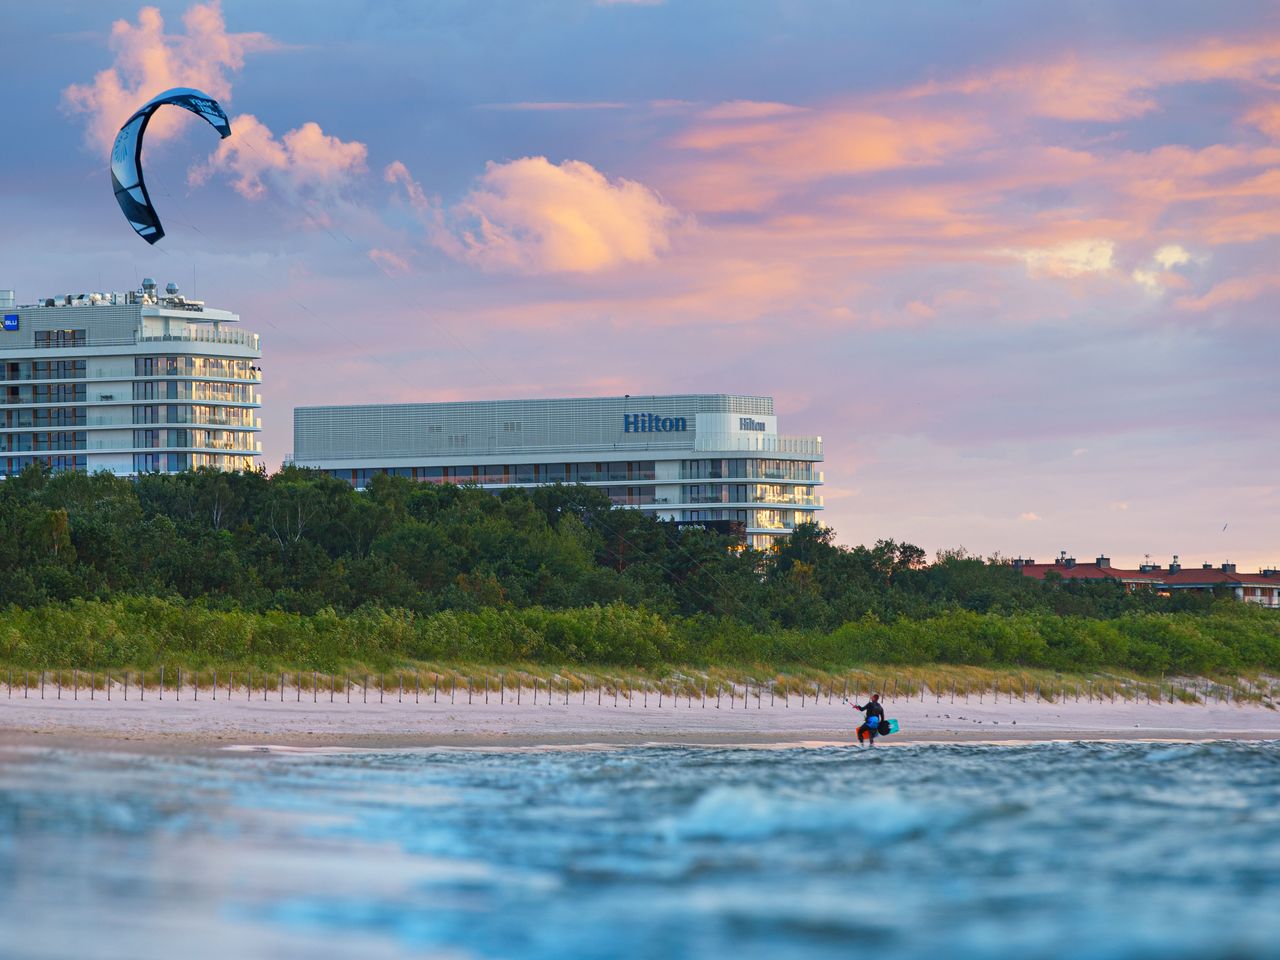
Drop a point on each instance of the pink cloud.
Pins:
(749, 110)
(1235, 290)
(1266, 117)
(305, 158)
(553, 106)
(1114, 88)
(149, 61)
(390, 263)
(835, 141)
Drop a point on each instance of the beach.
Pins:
(320, 718)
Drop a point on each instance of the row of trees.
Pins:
(301, 542)
(146, 632)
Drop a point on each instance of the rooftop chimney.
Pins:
(1206, 566)
(1228, 568)
(1103, 561)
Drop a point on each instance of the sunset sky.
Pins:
(1015, 262)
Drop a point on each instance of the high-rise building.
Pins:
(137, 382)
(702, 459)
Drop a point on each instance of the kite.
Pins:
(126, 155)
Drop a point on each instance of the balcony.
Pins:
(799, 446)
(235, 338)
(239, 338)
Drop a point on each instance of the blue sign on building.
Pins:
(653, 423)
(11, 321)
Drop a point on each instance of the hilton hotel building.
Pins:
(133, 382)
(698, 458)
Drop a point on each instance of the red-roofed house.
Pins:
(1261, 588)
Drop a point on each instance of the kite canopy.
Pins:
(126, 155)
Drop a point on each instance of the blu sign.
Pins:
(11, 321)
(652, 423)
(749, 423)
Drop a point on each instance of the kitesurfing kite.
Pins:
(126, 155)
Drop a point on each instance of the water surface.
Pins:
(1053, 850)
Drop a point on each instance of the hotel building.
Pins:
(700, 458)
(137, 382)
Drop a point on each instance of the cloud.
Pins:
(1111, 88)
(1156, 282)
(1266, 118)
(303, 159)
(149, 61)
(1029, 517)
(533, 216)
(1072, 259)
(790, 144)
(1171, 255)
(1235, 290)
(749, 109)
(390, 263)
(555, 105)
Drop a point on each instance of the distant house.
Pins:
(1262, 588)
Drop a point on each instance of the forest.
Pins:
(299, 568)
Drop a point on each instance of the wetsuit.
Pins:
(875, 713)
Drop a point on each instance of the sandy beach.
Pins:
(311, 719)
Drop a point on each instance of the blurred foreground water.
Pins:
(1053, 850)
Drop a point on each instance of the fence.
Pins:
(518, 687)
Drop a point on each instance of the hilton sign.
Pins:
(652, 423)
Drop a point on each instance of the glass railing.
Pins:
(803, 476)
(237, 338)
(806, 446)
(241, 338)
(121, 447)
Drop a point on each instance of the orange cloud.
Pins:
(149, 61)
(303, 158)
(533, 216)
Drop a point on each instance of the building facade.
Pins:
(137, 382)
(706, 458)
(1262, 588)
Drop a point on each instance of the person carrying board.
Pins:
(871, 725)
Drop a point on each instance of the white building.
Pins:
(135, 382)
(692, 458)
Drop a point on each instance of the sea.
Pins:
(1055, 850)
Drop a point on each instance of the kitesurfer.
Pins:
(875, 713)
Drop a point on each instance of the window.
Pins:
(60, 338)
(146, 463)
